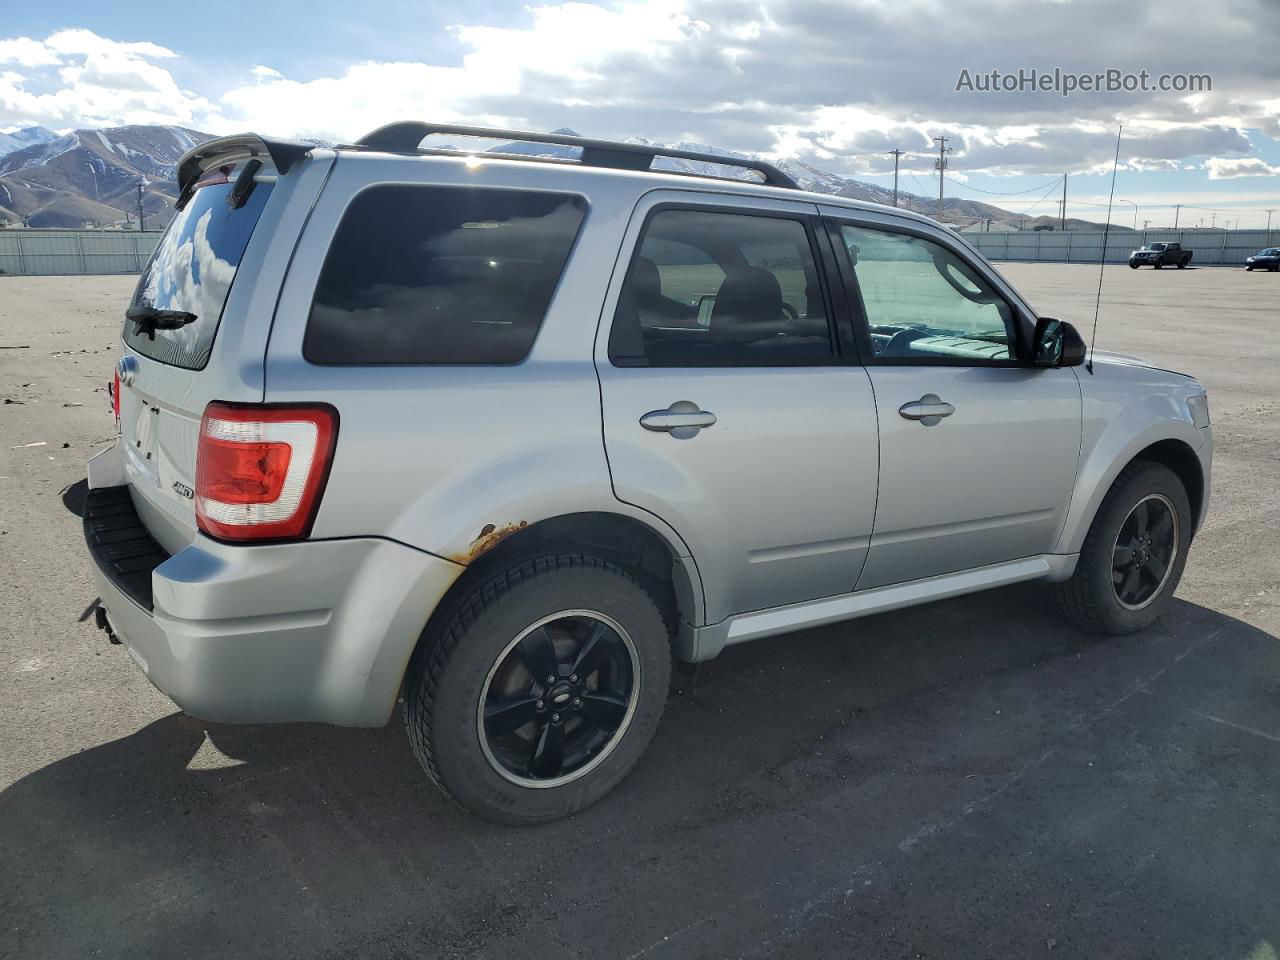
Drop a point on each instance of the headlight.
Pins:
(1198, 407)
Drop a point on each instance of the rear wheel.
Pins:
(540, 690)
(1134, 553)
(1182, 264)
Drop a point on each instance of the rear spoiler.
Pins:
(282, 153)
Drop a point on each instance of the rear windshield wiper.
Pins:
(148, 320)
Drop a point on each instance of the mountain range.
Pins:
(92, 177)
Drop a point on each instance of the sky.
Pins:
(835, 83)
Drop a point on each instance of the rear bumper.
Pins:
(316, 630)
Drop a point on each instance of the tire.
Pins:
(1133, 266)
(1275, 268)
(1182, 264)
(461, 660)
(1090, 597)
(1158, 265)
(1248, 269)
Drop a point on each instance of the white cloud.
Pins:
(78, 78)
(835, 84)
(1233, 168)
(88, 42)
(26, 52)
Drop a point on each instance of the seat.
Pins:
(748, 304)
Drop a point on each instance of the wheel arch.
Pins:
(662, 567)
(1098, 473)
(1178, 456)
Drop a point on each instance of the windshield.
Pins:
(1270, 252)
(1154, 246)
(192, 270)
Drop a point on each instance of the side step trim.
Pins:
(703, 643)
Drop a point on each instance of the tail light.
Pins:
(261, 469)
(115, 398)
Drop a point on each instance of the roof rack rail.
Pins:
(405, 136)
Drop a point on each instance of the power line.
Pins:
(1001, 193)
(1052, 188)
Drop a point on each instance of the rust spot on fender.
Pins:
(488, 538)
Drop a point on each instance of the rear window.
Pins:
(192, 270)
(420, 274)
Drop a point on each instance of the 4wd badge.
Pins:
(183, 490)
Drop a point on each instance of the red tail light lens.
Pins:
(261, 469)
(115, 398)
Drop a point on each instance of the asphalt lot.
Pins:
(968, 779)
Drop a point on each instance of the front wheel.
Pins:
(1157, 264)
(1132, 265)
(540, 690)
(1134, 553)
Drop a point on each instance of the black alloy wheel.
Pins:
(1144, 552)
(558, 698)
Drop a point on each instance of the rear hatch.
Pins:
(176, 370)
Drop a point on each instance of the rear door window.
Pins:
(424, 275)
(712, 289)
(192, 270)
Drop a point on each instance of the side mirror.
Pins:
(1056, 344)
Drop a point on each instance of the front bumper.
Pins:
(315, 630)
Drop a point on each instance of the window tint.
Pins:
(921, 301)
(720, 289)
(440, 275)
(192, 268)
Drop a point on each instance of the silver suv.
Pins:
(497, 434)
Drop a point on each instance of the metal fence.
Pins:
(1211, 247)
(62, 252)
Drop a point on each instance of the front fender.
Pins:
(1121, 418)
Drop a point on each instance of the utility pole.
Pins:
(1177, 209)
(1062, 220)
(1270, 211)
(1146, 224)
(941, 164)
(896, 154)
(1213, 221)
(142, 223)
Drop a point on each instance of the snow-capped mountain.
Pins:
(18, 139)
(92, 176)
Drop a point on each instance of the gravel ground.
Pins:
(968, 779)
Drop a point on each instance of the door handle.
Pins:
(683, 419)
(929, 409)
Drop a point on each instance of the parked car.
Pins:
(1160, 255)
(1267, 258)
(498, 435)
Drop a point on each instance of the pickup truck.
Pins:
(1160, 255)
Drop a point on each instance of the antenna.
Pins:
(1102, 266)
